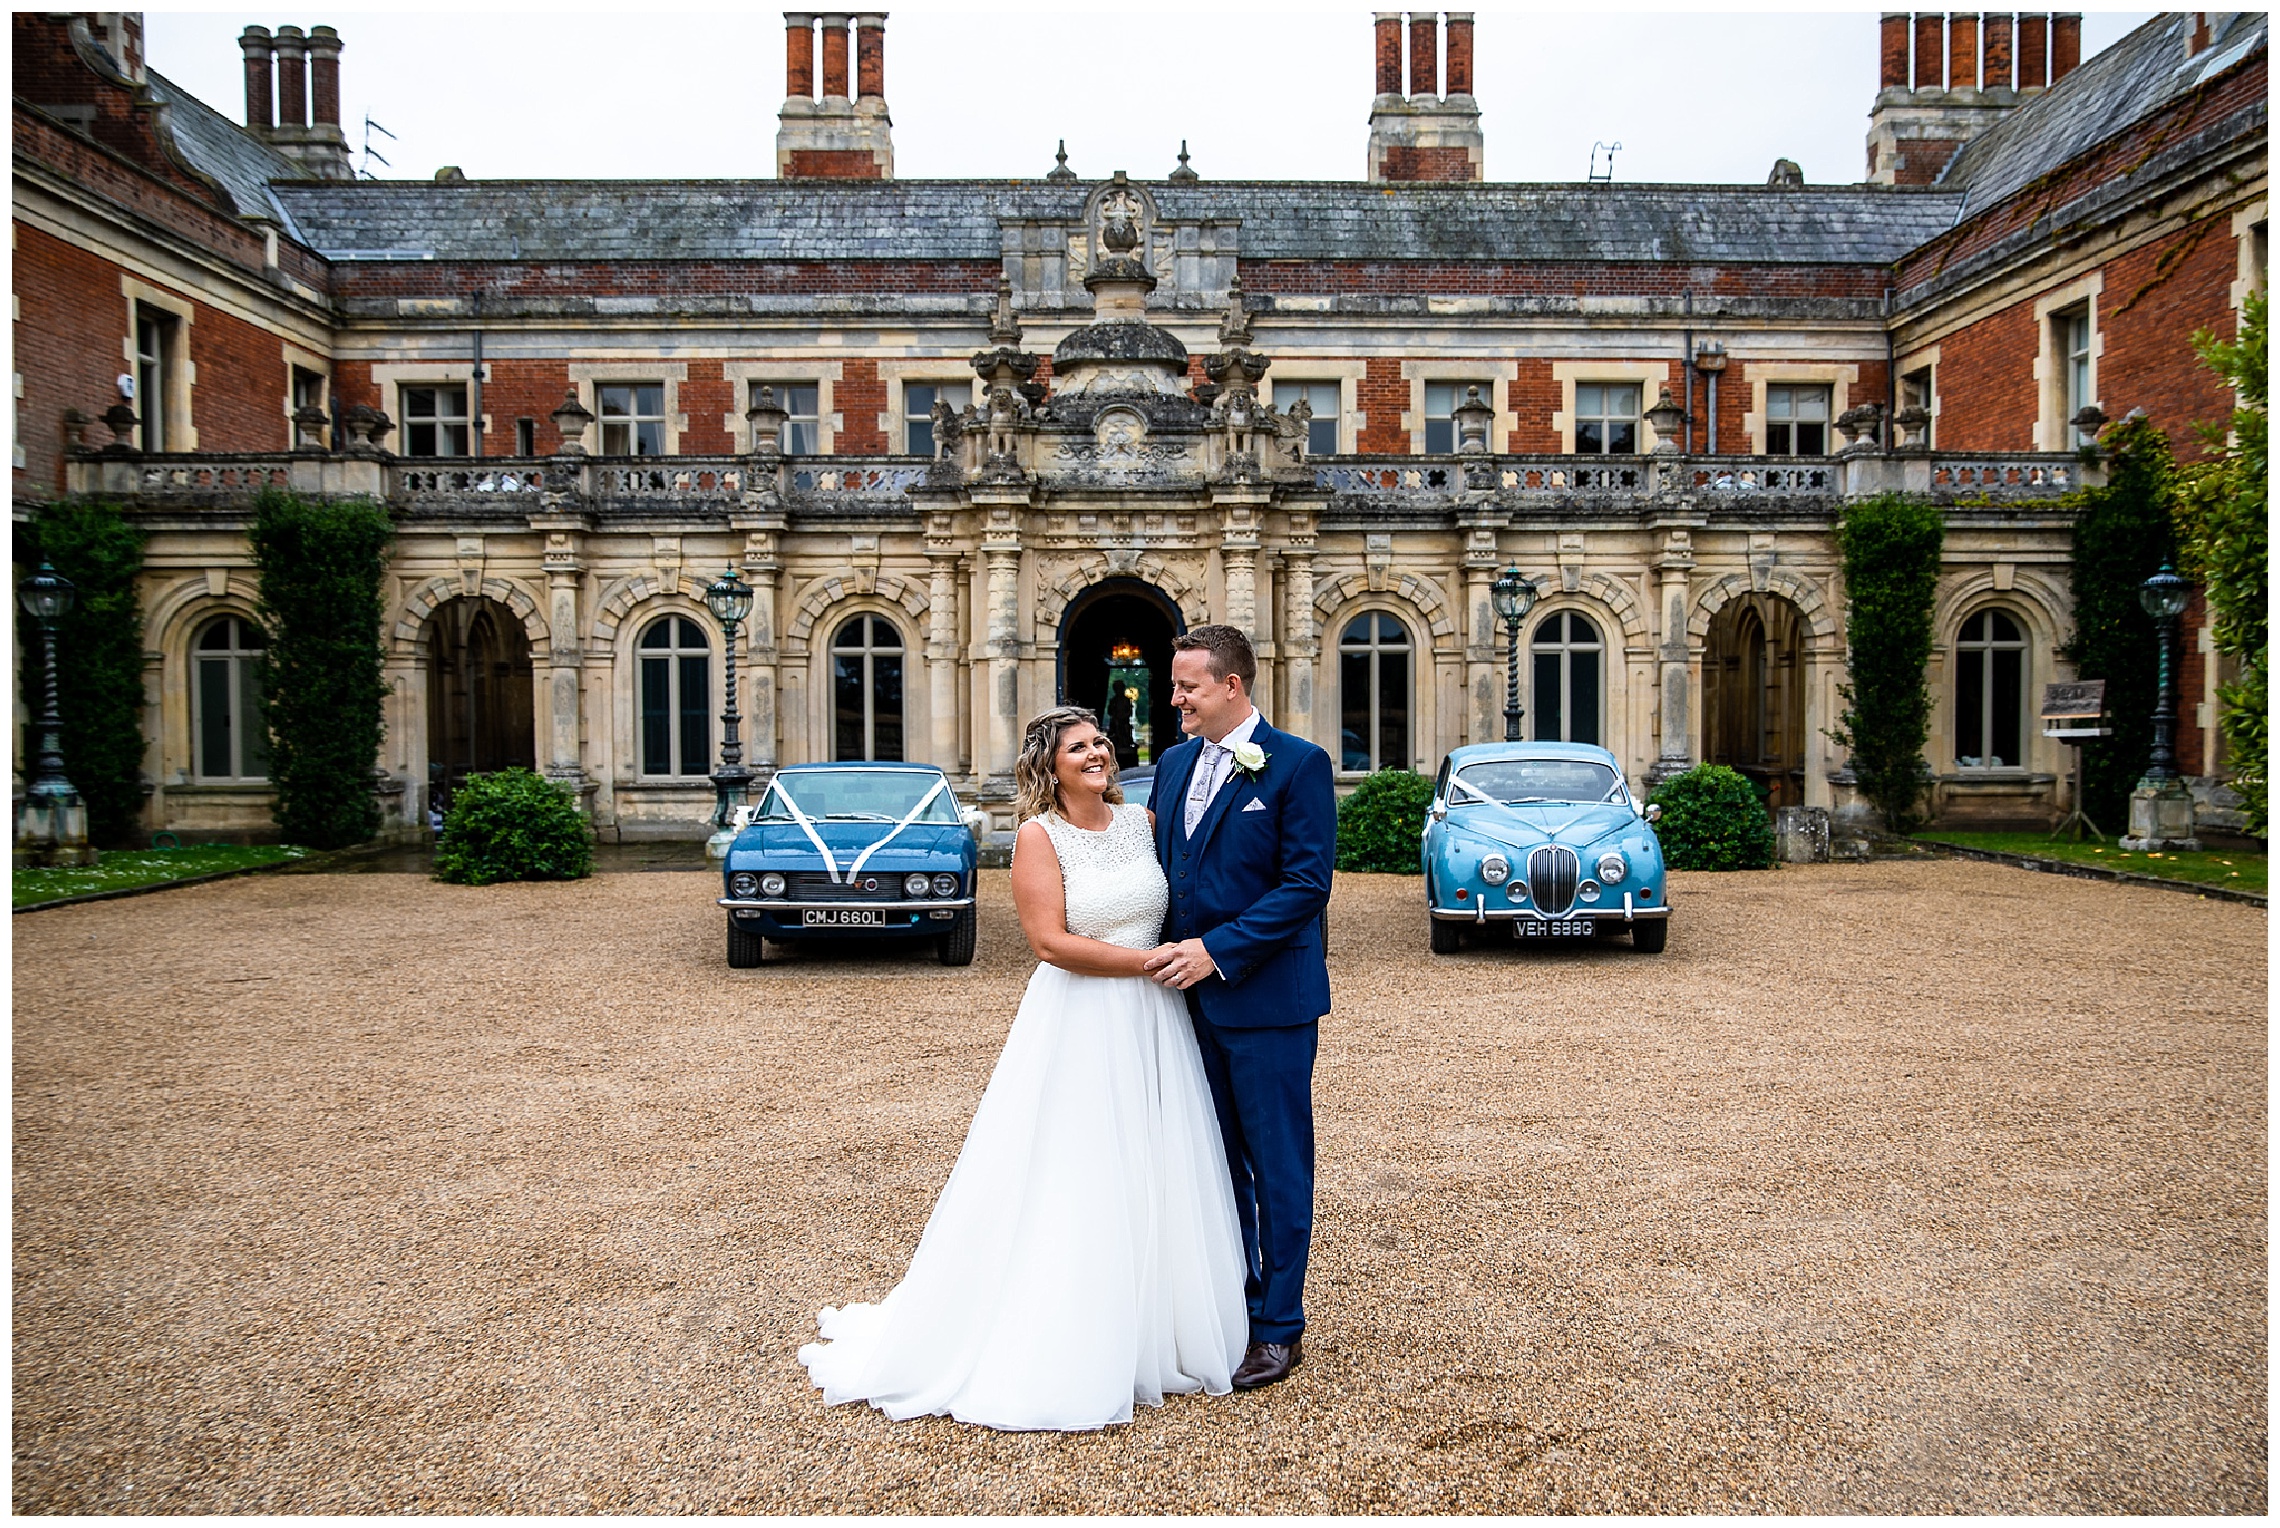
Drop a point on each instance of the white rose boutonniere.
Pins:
(1250, 759)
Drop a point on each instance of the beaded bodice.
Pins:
(1111, 885)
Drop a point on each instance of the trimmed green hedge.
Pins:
(2224, 540)
(1891, 548)
(1713, 819)
(321, 565)
(98, 662)
(513, 825)
(2121, 538)
(1381, 825)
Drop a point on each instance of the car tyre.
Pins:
(1448, 937)
(1649, 935)
(956, 948)
(746, 949)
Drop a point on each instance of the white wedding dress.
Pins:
(1084, 1254)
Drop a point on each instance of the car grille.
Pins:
(1552, 873)
(816, 886)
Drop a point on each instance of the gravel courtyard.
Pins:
(1890, 1187)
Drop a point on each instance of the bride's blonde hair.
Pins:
(1036, 790)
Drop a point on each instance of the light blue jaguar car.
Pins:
(1543, 840)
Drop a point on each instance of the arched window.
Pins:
(225, 689)
(867, 690)
(1373, 693)
(1566, 651)
(1990, 692)
(676, 693)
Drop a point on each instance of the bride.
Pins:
(1084, 1253)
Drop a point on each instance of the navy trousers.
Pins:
(1262, 1086)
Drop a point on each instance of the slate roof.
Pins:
(2112, 89)
(214, 144)
(958, 220)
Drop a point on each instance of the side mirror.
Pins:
(1439, 810)
(1653, 813)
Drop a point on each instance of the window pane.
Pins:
(1546, 697)
(217, 636)
(1357, 631)
(886, 707)
(1583, 695)
(1970, 699)
(1588, 439)
(1440, 437)
(1623, 400)
(1778, 403)
(1622, 438)
(649, 402)
(847, 707)
(451, 439)
(252, 720)
(656, 709)
(2003, 746)
(883, 634)
(1390, 632)
(616, 402)
(918, 414)
(658, 635)
(214, 718)
(1393, 710)
(1440, 399)
(696, 728)
(1812, 403)
(1354, 711)
(649, 438)
(1322, 436)
(1777, 439)
(1812, 438)
(2004, 628)
(1588, 400)
(419, 440)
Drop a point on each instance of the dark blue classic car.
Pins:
(867, 851)
(1543, 839)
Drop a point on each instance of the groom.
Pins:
(1246, 826)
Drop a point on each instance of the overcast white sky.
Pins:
(1260, 93)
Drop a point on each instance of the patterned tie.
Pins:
(1205, 784)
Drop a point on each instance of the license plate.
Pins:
(842, 917)
(1554, 928)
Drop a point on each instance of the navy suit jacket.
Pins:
(1252, 883)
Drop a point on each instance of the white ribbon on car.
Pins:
(831, 865)
(941, 784)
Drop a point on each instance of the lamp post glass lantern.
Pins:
(1513, 596)
(2164, 597)
(53, 818)
(730, 600)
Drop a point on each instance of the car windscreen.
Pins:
(1517, 780)
(856, 795)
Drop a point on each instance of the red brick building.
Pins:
(1329, 412)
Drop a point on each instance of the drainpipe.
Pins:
(475, 384)
(1891, 377)
(1686, 360)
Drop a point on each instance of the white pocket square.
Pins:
(1254, 805)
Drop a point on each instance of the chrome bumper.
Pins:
(1482, 913)
(782, 905)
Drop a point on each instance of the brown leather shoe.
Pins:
(1266, 1362)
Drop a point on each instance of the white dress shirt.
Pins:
(1212, 770)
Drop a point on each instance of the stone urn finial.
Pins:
(1666, 418)
(571, 420)
(122, 421)
(1473, 417)
(766, 416)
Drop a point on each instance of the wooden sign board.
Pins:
(2084, 699)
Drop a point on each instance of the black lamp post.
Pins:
(1514, 596)
(730, 600)
(46, 597)
(2163, 596)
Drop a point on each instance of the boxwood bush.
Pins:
(513, 825)
(1712, 819)
(1382, 822)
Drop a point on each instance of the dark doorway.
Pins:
(1116, 659)
(1753, 695)
(479, 695)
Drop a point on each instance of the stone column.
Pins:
(1299, 644)
(1674, 692)
(763, 570)
(1004, 651)
(1484, 637)
(564, 571)
(942, 647)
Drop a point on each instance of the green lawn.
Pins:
(2240, 871)
(121, 868)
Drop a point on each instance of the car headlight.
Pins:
(743, 884)
(945, 885)
(1495, 870)
(1612, 866)
(916, 885)
(1587, 892)
(771, 885)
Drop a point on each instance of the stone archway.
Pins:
(480, 702)
(1114, 656)
(1753, 694)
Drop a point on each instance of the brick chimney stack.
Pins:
(846, 133)
(1424, 135)
(1946, 78)
(300, 73)
(260, 89)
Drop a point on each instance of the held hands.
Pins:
(1180, 966)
